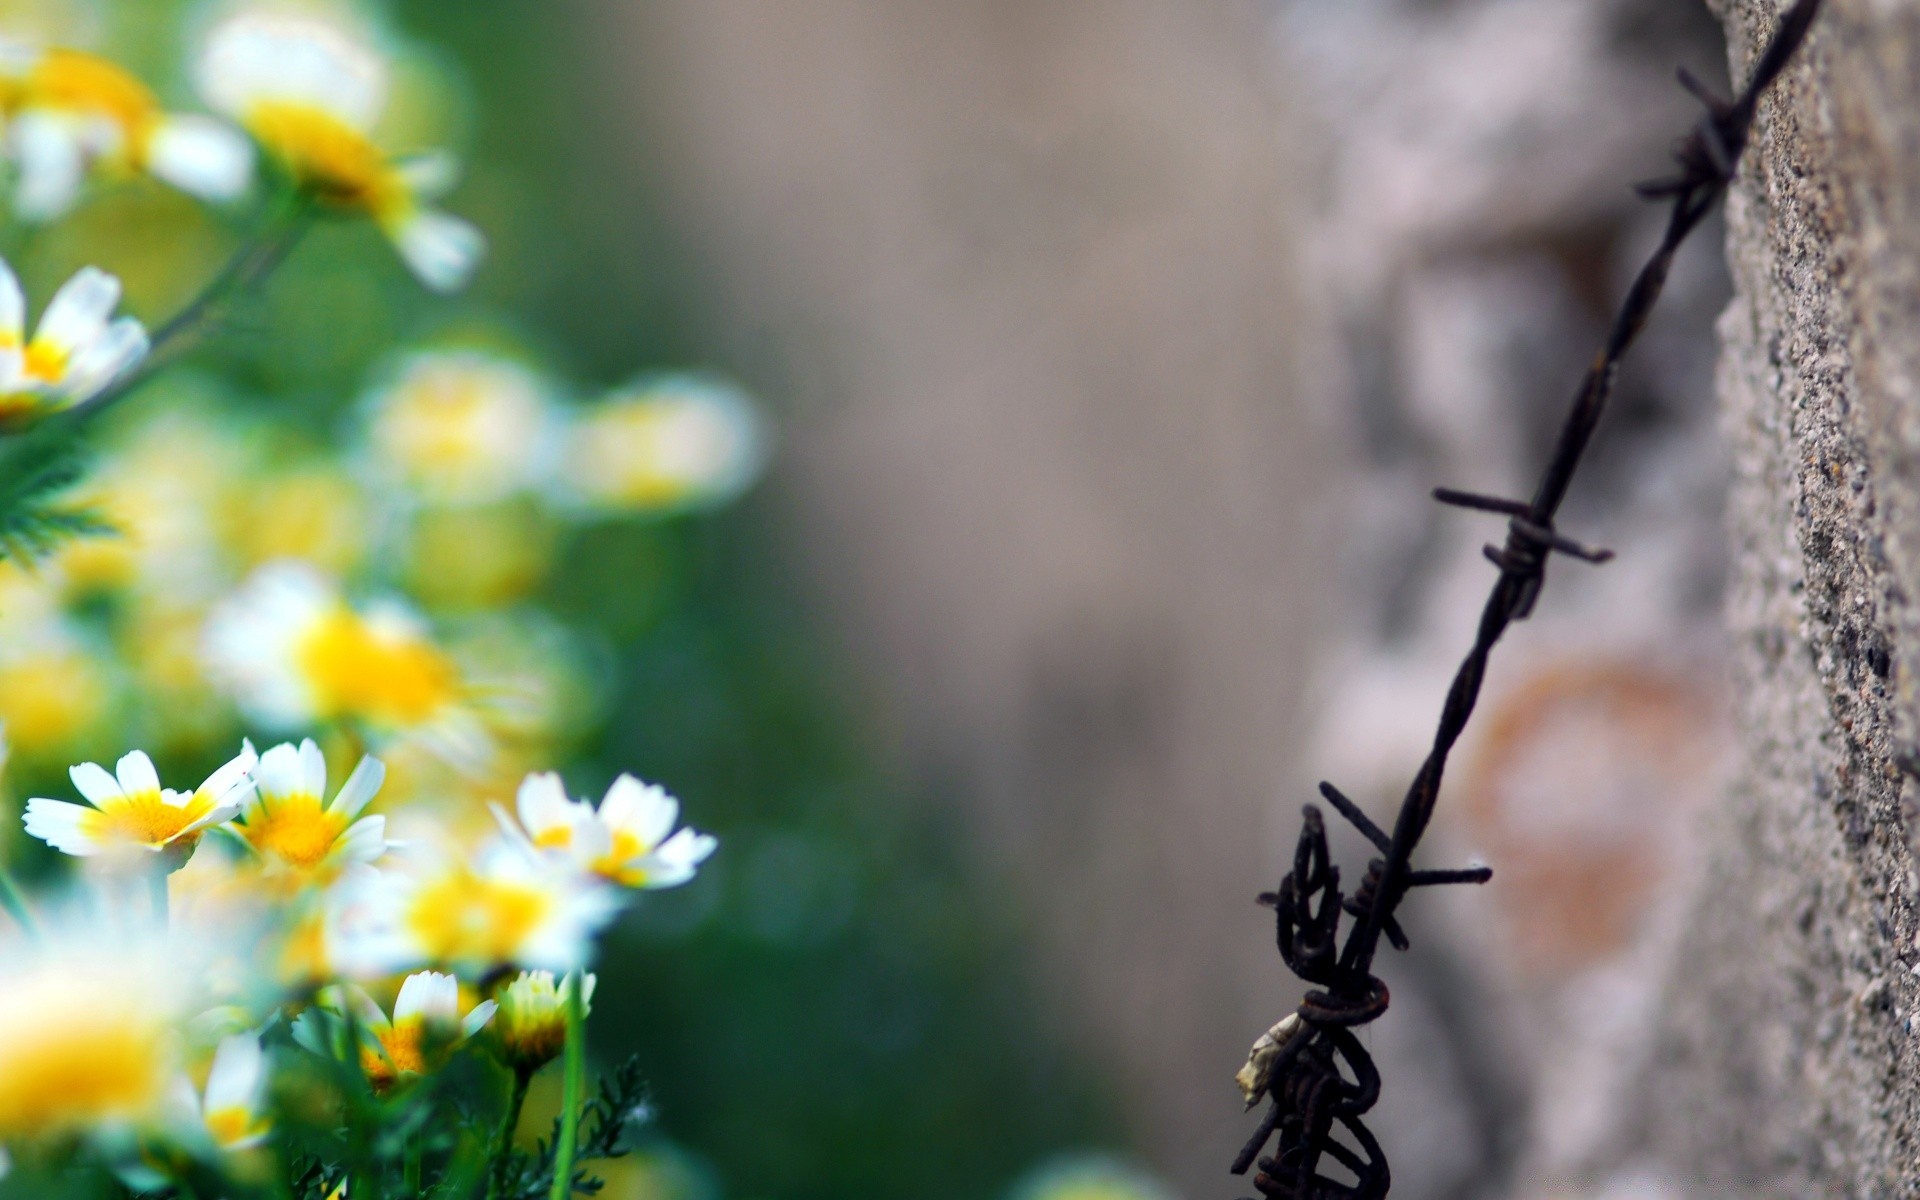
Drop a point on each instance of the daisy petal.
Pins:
(477, 1019)
(68, 828)
(51, 165)
(360, 787)
(136, 773)
(77, 315)
(542, 803)
(13, 307)
(201, 156)
(440, 249)
(313, 769)
(239, 1068)
(95, 783)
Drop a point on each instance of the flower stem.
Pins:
(16, 905)
(250, 265)
(158, 883)
(503, 1136)
(413, 1162)
(570, 1099)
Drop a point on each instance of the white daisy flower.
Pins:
(624, 841)
(69, 113)
(683, 441)
(310, 92)
(129, 810)
(461, 426)
(230, 1108)
(498, 908)
(427, 1024)
(293, 653)
(292, 829)
(76, 351)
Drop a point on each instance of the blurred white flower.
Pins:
(75, 352)
(89, 1019)
(310, 91)
(461, 426)
(624, 841)
(476, 914)
(68, 113)
(683, 441)
(293, 653)
(229, 1108)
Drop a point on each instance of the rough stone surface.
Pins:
(1785, 1056)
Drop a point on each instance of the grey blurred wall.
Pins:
(1022, 274)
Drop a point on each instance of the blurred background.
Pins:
(1102, 355)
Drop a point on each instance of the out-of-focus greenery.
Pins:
(834, 1008)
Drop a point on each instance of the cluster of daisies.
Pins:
(388, 581)
(380, 589)
(297, 99)
(307, 93)
(255, 917)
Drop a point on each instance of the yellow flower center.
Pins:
(67, 1062)
(233, 1124)
(554, 837)
(146, 819)
(439, 425)
(613, 864)
(50, 698)
(362, 672)
(460, 917)
(620, 456)
(45, 361)
(296, 829)
(405, 1053)
(93, 86)
(329, 157)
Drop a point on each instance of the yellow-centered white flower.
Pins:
(531, 1029)
(310, 91)
(76, 351)
(294, 653)
(426, 1026)
(128, 811)
(88, 1032)
(475, 914)
(291, 826)
(461, 426)
(68, 113)
(625, 841)
(230, 1107)
(679, 442)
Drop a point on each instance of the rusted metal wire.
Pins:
(1318, 1079)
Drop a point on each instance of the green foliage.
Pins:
(606, 1120)
(38, 470)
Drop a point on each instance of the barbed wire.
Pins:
(1319, 1080)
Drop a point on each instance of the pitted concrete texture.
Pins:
(1785, 1060)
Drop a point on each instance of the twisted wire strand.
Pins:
(1319, 1079)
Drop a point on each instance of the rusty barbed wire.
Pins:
(1319, 1080)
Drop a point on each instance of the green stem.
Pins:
(570, 1098)
(250, 265)
(158, 883)
(503, 1136)
(413, 1163)
(16, 905)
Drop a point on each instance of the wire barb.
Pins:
(1322, 1082)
